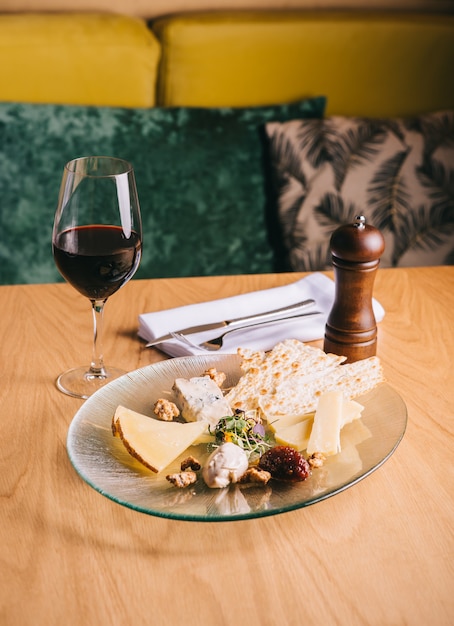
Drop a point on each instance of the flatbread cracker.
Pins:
(291, 377)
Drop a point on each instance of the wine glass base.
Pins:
(79, 382)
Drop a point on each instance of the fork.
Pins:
(216, 344)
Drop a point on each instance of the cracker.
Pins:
(291, 377)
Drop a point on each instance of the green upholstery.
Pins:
(200, 177)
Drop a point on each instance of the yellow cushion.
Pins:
(88, 59)
(387, 65)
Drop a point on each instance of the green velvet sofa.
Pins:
(187, 99)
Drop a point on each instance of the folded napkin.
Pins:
(316, 286)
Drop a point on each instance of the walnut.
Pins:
(255, 475)
(218, 377)
(316, 460)
(182, 479)
(190, 462)
(166, 410)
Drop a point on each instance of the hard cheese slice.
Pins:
(295, 430)
(325, 435)
(285, 421)
(351, 410)
(296, 435)
(152, 442)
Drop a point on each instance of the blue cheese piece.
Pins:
(201, 400)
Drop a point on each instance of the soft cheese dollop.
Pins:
(225, 465)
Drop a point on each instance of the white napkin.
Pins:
(264, 337)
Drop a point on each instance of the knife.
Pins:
(275, 314)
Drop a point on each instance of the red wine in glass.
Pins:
(97, 260)
(97, 245)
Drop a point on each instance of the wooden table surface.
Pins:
(381, 552)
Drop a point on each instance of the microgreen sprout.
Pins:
(243, 429)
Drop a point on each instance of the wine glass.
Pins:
(97, 245)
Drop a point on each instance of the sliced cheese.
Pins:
(152, 442)
(284, 421)
(295, 430)
(351, 410)
(325, 434)
(296, 435)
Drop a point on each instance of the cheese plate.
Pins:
(103, 462)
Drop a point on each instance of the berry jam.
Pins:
(285, 463)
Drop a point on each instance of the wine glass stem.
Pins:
(97, 362)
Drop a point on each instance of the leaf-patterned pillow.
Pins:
(398, 173)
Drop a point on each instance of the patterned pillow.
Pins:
(398, 173)
(200, 178)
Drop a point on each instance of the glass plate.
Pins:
(102, 461)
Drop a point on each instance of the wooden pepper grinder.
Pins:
(351, 329)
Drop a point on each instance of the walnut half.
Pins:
(182, 479)
(255, 475)
(316, 460)
(165, 410)
(218, 377)
(190, 462)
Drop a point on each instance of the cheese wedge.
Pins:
(152, 442)
(284, 421)
(295, 430)
(200, 399)
(325, 434)
(351, 410)
(296, 435)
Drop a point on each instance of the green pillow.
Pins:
(200, 176)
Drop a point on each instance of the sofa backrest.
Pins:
(381, 65)
(366, 63)
(81, 58)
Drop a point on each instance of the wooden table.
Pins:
(380, 553)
